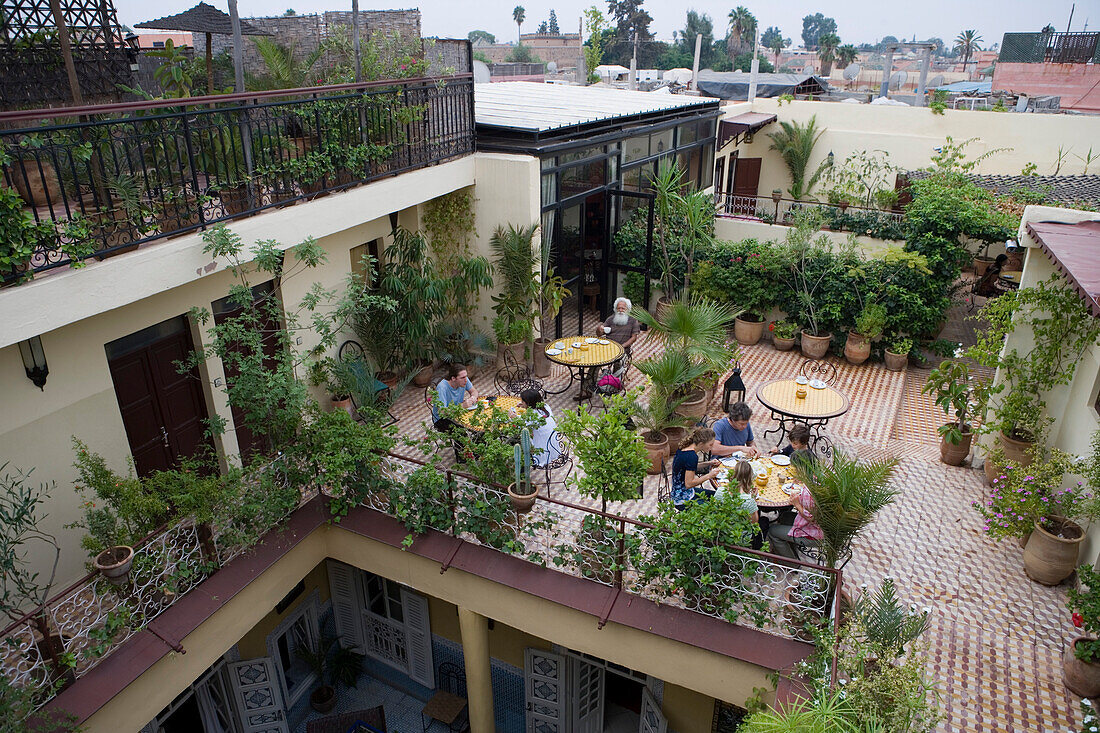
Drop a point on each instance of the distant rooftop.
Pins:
(535, 108)
(1058, 189)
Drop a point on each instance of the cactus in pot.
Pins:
(523, 491)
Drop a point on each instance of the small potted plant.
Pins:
(523, 491)
(897, 353)
(325, 372)
(1081, 661)
(783, 334)
(343, 668)
(869, 326)
(953, 389)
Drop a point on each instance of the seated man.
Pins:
(734, 433)
(621, 327)
(455, 389)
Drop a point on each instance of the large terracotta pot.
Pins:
(522, 503)
(815, 347)
(895, 362)
(1080, 678)
(1051, 554)
(342, 403)
(695, 405)
(857, 349)
(664, 304)
(782, 344)
(114, 564)
(423, 376)
(1016, 451)
(674, 435)
(323, 699)
(954, 455)
(518, 352)
(981, 264)
(41, 181)
(748, 332)
(656, 445)
(542, 363)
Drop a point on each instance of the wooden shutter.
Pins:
(418, 638)
(345, 586)
(586, 698)
(545, 688)
(258, 696)
(651, 720)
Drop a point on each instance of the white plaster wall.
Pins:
(734, 230)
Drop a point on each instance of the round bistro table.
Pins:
(595, 356)
(815, 410)
(468, 417)
(771, 496)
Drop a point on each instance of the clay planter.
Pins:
(542, 363)
(114, 564)
(656, 446)
(390, 379)
(664, 304)
(748, 332)
(815, 347)
(41, 181)
(522, 503)
(695, 405)
(423, 376)
(1080, 678)
(782, 344)
(178, 214)
(674, 435)
(954, 455)
(234, 200)
(312, 188)
(323, 699)
(1051, 554)
(895, 362)
(1016, 451)
(342, 403)
(1015, 260)
(857, 349)
(981, 264)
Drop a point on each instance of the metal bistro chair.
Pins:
(822, 369)
(664, 484)
(513, 378)
(448, 704)
(564, 460)
(619, 369)
(351, 352)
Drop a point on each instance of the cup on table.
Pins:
(607, 329)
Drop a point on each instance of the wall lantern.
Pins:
(34, 361)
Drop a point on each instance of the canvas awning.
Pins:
(1075, 251)
(742, 124)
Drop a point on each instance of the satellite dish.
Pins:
(481, 72)
(898, 78)
(851, 71)
(808, 69)
(552, 67)
(937, 81)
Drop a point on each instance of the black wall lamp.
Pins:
(34, 361)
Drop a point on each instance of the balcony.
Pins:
(100, 181)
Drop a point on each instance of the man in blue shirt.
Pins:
(734, 433)
(455, 389)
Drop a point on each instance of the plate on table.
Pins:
(791, 489)
(603, 342)
(801, 380)
(591, 341)
(732, 459)
(553, 352)
(559, 345)
(781, 460)
(576, 344)
(817, 384)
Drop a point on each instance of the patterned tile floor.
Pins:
(996, 638)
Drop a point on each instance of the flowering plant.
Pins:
(1085, 605)
(783, 329)
(1022, 497)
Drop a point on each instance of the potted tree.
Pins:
(897, 353)
(783, 334)
(653, 419)
(870, 324)
(953, 389)
(339, 667)
(805, 265)
(552, 293)
(1081, 661)
(514, 264)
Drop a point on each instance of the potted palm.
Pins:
(339, 667)
(515, 267)
(552, 293)
(869, 326)
(897, 353)
(654, 419)
(953, 389)
(805, 265)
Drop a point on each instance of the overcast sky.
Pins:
(858, 21)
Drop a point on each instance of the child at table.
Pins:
(798, 439)
(746, 487)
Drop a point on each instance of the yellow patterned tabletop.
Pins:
(818, 404)
(504, 402)
(588, 354)
(772, 495)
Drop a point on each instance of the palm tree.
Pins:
(284, 71)
(795, 144)
(742, 23)
(518, 16)
(967, 43)
(826, 52)
(696, 329)
(777, 46)
(845, 55)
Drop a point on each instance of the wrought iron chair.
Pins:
(664, 484)
(448, 704)
(619, 369)
(822, 369)
(513, 378)
(351, 352)
(563, 460)
(816, 554)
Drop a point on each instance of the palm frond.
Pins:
(698, 328)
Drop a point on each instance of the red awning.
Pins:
(743, 123)
(1075, 251)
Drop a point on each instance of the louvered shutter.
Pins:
(418, 638)
(345, 586)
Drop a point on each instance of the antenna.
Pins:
(851, 71)
(897, 79)
(552, 67)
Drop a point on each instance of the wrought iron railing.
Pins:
(784, 211)
(105, 179)
(1057, 48)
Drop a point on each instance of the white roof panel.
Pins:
(540, 107)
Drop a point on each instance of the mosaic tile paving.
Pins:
(996, 638)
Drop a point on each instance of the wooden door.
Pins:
(258, 695)
(163, 410)
(543, 672)
(746, 182)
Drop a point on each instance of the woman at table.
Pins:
(987, 286)
(787, 539)
(544, 447)
(745, 478)
(686, 477)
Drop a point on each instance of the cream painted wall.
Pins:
(734, 230)
(910, 135)
(687, 710)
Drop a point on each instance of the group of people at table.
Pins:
(787, 529)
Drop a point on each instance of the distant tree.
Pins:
(967, 43)
(845, 55)
(886, 41)
(742, 30)
(827, 44)
(814, 26)
(554, 29)
(776, 45)
(521, 54)
(543, 28)
(518, 16)
(474, 36)
(937, 43)
(743, 62)
(630, 17)
(697, 24)
(674, 56)
(480, 56)
(290, 13)
(595, 25)
(769, 35)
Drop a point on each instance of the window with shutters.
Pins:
(384, 619)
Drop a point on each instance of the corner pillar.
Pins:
(474, 629)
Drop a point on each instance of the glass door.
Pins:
(630, 248)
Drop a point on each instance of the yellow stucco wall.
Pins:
(254, 643)
(687, 710)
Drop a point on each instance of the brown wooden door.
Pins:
(746, 181)
(163, 411)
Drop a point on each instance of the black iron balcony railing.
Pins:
(1055, 48)
(102, 180)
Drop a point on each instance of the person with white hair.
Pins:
(620, 326)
